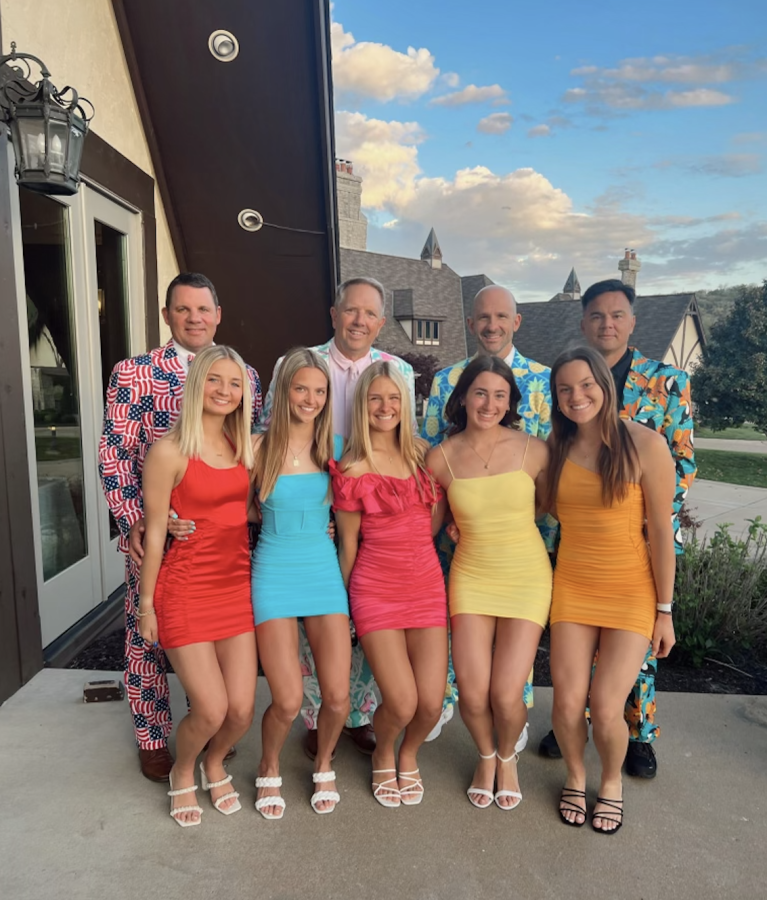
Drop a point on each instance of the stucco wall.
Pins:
(684, 351)
(79, 42)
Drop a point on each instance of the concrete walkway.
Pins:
(731, 446)
(80, 822)
(715, 503)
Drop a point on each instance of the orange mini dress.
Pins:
(603, 575)
(203, 589)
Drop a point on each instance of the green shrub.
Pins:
(721, 595)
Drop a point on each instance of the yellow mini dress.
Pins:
(501, 567)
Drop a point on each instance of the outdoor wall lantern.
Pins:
(48, 126)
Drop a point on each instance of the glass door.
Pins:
(115, 305)
(61, 420)
(82, 290)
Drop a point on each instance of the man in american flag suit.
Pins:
(143, 401)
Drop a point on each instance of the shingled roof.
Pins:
(414, 290)
(549, 328)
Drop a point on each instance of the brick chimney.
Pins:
(352, 222)
(628, 267)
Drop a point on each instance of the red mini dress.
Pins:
(396, 582)
(203, 589)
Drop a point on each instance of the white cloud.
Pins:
(725, 165)
(495, 123)
(377, 71)
(451, 79)
(473, 94)
(678, 70)
(539, 131)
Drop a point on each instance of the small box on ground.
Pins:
(101, 691)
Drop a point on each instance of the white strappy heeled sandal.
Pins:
(392, 797)
(482, 791)
(516, 794)
(207, 785)
(270, 781)
(183, 809)
(412, 794)
(328, 796)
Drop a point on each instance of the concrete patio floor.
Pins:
(79, 821)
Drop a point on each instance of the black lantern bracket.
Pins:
(48, 126)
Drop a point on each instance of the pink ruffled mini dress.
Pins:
(396, 582)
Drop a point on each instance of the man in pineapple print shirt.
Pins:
(657, 395)
(494, 321)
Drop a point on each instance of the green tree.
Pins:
(730, 384)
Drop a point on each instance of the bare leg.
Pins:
(278, 645)
(516, 643)
(572, 654)
(387, 655)
(200, 675)
(621, 654)
(472, 638)
(239, 667)
(332, 651)
(427, 650)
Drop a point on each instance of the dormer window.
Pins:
(427, 332)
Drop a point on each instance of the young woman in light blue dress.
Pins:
(295, 574)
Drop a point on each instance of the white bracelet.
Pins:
(663, 607)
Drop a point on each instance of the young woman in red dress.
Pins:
(387, 511)
(195, 599)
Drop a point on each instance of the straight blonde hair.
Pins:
(359, 447)
(187, 430)
(270, 456)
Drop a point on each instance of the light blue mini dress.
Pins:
(294, 567)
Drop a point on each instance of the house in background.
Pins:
(204, 113)
(668, 326)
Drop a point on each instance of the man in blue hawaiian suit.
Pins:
(358, 317)
(494, 321)
(657, 395)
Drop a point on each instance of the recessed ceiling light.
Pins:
(250, 220)
(223, 45)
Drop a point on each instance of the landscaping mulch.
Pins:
(741, 676)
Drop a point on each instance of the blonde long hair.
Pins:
(359, 447)
(270, 456)
(187, 430)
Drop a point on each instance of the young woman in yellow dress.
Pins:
(500, 578)
(611, 486)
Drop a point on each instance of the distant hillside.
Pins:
(715, 305)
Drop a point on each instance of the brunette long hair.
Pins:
(617, 461)
(455, 411)
(270, 456)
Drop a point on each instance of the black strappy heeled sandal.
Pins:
(565, 798)
(609, 815)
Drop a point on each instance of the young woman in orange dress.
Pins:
(611, 485)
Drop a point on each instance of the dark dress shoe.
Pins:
(310, 745)
(549, 747)
(230, 753)
(364, 738)
(156, 764)
(640, 760)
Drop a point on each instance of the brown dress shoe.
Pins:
(364, 738)
(156, 764)
(310, 745)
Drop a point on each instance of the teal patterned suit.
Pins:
(534, 407)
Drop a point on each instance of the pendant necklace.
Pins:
(485, 461)
(296, 460)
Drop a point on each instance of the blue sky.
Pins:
(538, 138)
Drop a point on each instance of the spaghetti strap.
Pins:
(524, 455)
(446, 461)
